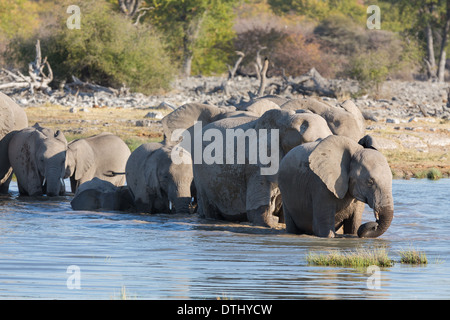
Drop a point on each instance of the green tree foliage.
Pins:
(319, 9)
(18, 17)
(107, 49)
(199, 31)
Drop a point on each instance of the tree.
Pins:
(108, 50)
(133, 8)
(433, 18)
(184, 22)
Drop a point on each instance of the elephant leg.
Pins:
(291, 227)
(323, 218)
(352, 224)
(263, 216)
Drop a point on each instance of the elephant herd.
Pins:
(301, 162)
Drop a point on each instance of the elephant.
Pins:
(157, 184)
(325, 184)
(246, 189)
(98, 194)
(12, 119)
(38, 157)
(103, 156)
(344, 120)
(188, 114)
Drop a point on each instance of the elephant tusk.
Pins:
(377, 215)
(43, 182)
(170, 205)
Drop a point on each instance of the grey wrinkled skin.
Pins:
(98, 194)
(156, 183)
(103, 156)
(38, 158)
(239, 192)
(324, 185)
(12, 119)
(345, 120)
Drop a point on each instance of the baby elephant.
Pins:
(322, 182)
(37, 156)
(157, 184)
(99, 194)
(103, 156)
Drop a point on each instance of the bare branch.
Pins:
(263, 73)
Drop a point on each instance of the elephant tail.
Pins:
(111, 173)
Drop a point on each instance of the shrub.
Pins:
(370, 69)
(107, 50)
(286, 47)
(434, 174)
(297, 56)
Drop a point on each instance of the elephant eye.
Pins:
(370, 182)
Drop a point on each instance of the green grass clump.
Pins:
(434, 174)
(356, 258)
(413, 256)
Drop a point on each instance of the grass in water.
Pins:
(356, 258)
(432, 174)
(413, 256)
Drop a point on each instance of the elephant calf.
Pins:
(38, 156)
(103, 156)
(98, 194)
(322, 185)
(156, 182)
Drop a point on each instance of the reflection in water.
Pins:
(183, 257)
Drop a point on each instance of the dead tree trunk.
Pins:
(443, 53)
(36, 79)
(263, 78)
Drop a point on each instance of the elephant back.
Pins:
(185, 116)
(12, 116)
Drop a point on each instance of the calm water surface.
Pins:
(183, 257)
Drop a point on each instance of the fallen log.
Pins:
(78, 85)
(36, 79)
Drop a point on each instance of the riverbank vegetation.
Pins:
(143, 44)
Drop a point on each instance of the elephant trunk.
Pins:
(181, 205)
(54, 184)
(384, 216)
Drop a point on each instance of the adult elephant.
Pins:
(98, 194)
(322, 183)
(12, 119)
(237, 178)
(180, 123)
(343, 120)
(157, 184)
(38, 157)
(103, 156)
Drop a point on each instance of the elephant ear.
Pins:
(330, 161)
(369, 142)
(60, 136)
(84, 157)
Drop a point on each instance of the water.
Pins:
(183, 257)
